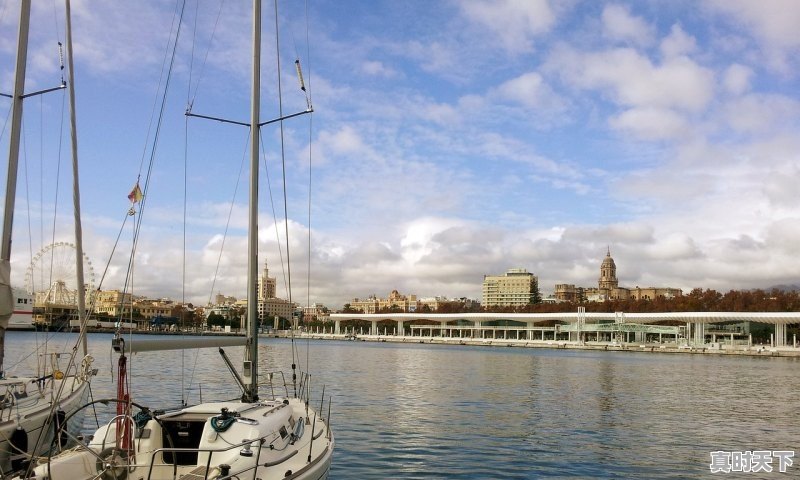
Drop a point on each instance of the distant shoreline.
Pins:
(751, 351)
(139, 332)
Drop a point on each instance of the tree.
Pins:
(346, 308)
(536, 295)
(216, 319)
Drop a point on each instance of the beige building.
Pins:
(433, 303)
(517, 287)
(275, 307)
(567, 292)
(266, 285)
(113, 303)
(395, 301)
(316, 312)
(221, 299)
(608, 288)
(269, 306)
(151, 309)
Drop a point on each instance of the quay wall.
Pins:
(710, 349)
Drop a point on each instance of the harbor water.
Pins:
(409, 411)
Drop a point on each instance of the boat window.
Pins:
(182, 435)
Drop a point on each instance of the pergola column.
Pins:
(699, 333)
(374, 329)
(338, 325)
(400, 329)
(780, 334)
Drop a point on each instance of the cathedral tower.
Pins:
(608, 273)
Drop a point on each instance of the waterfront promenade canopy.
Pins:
(774, 318)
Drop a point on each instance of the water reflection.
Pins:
(430, 411)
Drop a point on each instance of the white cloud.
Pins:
(773, 23)
(737, 78)
(514, 22)
(762, 113)
(378, 69)
(620, 24)
(418, 240)
(530, 90)
(678, 42)
(480, 137)
(347, 140)
(781, 189)
(651, 123)
(784, 235)
(633, 80)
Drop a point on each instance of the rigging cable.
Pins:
(58, 181)
(72, 359)
(136, 225)
(189, 104)
(192, 97)
(285, 200)
(310, 138)
(153, 149)
(184, 394)
(224, 237)
(274, 214)
(5, 124)
(310, 133)
(228, 221)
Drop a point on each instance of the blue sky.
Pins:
(450, 140)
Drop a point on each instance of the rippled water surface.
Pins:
(406, 411)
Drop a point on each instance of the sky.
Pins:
(449, 140)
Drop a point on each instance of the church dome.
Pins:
(608, 262)
(608, 273)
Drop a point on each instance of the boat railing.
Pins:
(49, 365)
(201, 472)
(296, 387)
(277, 379)
(14, 391)
(207, 471)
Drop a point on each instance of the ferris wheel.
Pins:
(52, 276)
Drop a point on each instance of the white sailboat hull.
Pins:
(33, 412)
(20, 321)
(22, 315)
(263, 441)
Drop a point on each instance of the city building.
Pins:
(433, 304)
(113, 303)
(150, 309)
(266, 285)
(269, 306)
(398, 303)
(315, 312)
(221, 299)
(567, 292)
(395, 303)
(608, 288)
(275, 307)
(516, 287)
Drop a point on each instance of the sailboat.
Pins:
(250, 437)
(33, 409)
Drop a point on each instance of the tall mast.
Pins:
(251, 390)
(6, 294)
(76, 192)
